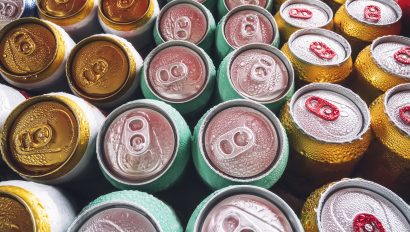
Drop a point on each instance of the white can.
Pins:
(9, 99)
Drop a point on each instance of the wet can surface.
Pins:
(51, 138)
(209, 4)
(334, 4)
(104, 69)
(355, 205)
(9, 99)
(11, 10)
(30, 207)
(239, 142)
(224, 6)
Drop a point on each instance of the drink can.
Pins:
(405, 7)
(334, 4)
(209, 4)
(244, 25)
(131, 20)
(257, 72)
(30, 207)
(33, 54)
(180, 74)
(104, 69)
(224, 6)
(51, 138)
(126, 211)
(277, 4)
(355, 205)
(145, 145)
(240, 142)
(319, 55)
(362, 21)
(243, 208)
(9, 99)
(185, 20)
(298, 14)
(77, 17)
(11, 10)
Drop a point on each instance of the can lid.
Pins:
(11, 9)
(230, 4)
(124, 11)
(397, 107)
(61, 9)
(374, 12)
(15, 214)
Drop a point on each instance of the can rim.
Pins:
(392, 4)
(389, 93)
(226, 6)
(280, 131)
(101, 12)
(221, 194)
(363, 184)
(24, 203)
(42, 11)
(345, 92)
(23, 6)
(278, 53)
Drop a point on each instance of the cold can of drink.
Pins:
(334, 4)
(9, 99)
(11, 10)
(224, 6)
(209, 4)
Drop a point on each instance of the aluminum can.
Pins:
(319, 55)
(244, 25)
(355, 205)
(180, 74)
(209, 4)
(126, 211)
(77, 17)
(277, 4)
(257, 72)
(405, 7)
(298, 14)
(132, 20)
(51, 138)
(380, 66)
(224, 6)
(240, 142)
(362, 21)
(30, 207)
(11, 10)
(329, 130)
(334, 4)
(9, 99)
(185, 20)
(243, 208)
(104, 69)
(33, 54)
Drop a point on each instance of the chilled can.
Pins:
(51, 138)
(185, 20)
(224, 6)
(362, 21)
(319, 55)
(30, 207)
(258, 72)
(245, 25)
(240, 142)
(104, 69)
(334, 4)
(33, 54)
(380, 66)
(355, 205)
(243, 208)
(9, 99)
(298, 14)
(209, 4)
(329, 130)
(180, 74)
(11, 10)
(126, 211)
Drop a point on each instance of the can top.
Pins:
(360, 205)
(15, 214)
(397, 107)
(329, 113)
(124, 11)
(61, 9)
(11, 9)
(230, 4)
(374, 12)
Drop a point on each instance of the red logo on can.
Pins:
(322, 108)
(372, 13)
(322, 50)
(405, 114)
(367, 222)
(403, 55)
(300, 13)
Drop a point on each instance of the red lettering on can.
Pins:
(403, 55)
(367, 222)
(405, 114)
(322, 108)
(322, 50)
(300, 13)
(372, 13)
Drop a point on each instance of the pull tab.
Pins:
(137, 137)
(372, 13)
(405, 114)
(91, 76)
(182, 29)
(322, 50)
(234, 142)
(403, 55)
(124, 4)
(8, 9)
(367, 222)
(169, 74)
(262, 69)
(250, 25)
(322, 108)
(300, 13)
(23, 42)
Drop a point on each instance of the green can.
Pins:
(257, 72)
(240, 142)
(224, 6)
(209, 4)
(180, 74)
(126, 211)
(144, 145)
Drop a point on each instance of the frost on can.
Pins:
(319, 55)
(104, 69)
(334, 4)
(30, 207)
(33, 54)
(11, 10)
(224, 6)
(9, 99)
(51, 138)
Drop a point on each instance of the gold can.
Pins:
(334, 4)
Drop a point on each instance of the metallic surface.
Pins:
(125, 11)
(15, 216)
(11, 9)
(230, 4)
(61, 9)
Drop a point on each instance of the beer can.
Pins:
(144, 145)
(104, 69)
(11, 10)
(355, 205)
(30, 207)
(298, 14)
(244, 25)
(224, 6)
(51, 138)
(185, 20)
(258, 72)
(9, 99)
(319, 55)
(362, 21)
(209, 4)
(33, 54)
(180, 74)
(132, 20)
(240, 142)
(329, 130)
(334, 4)
(126, 211)
(243, 208)
(77, 18)
(380, 66)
